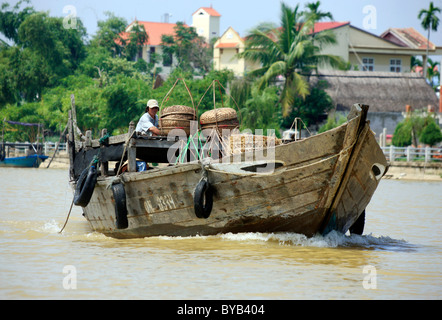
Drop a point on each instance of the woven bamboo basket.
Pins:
(218, 115)
(166, 130)
(183, 116)
(176, 117)
(224, 128)
(167, 124)
(179, 112)
(174, 122)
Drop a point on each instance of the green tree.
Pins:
(95, 61)
(332, 123)
(430, 21)
(8, 77)
(401, 135)
(11, 19)
(240, 92)
(258, 111)
(431, 134)
(432, 71)
(109, 34)
(25, 113)
(63, 49)
(291, 51)
(33, 74)
(189, 49)
(137, 38)
(415, 62)
(313, 108)
(408, 131)
(319, 15)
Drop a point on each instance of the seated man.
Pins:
(148, 123)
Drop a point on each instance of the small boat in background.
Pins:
(34, 154)
(30, 161)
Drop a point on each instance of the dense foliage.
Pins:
(291, 51)
(415, 129)
(43, 63)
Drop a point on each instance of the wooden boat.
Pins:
(34, 151)
(309, 186)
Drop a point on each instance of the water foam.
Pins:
(50, 227)
(331, 240)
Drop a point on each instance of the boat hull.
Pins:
(32, 161)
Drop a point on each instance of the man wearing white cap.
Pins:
(148, 123)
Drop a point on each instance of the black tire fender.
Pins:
(85, 186)
(119, 193)
(203, 199)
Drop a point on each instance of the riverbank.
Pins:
(400, 170)
(60, 161)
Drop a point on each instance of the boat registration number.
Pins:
(159, 203)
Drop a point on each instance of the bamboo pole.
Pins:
(58, 144)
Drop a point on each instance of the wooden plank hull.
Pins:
(318, 184)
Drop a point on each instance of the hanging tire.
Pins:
(203, 199)
(358, 226)
(85, 186)
(120, 206)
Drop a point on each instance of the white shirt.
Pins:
(146, 122)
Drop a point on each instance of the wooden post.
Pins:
(131, 150)
(71, 146)
(58, 144)
(104, 165)
(88, 143)
(76, 130)
(384, 137)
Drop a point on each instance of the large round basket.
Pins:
(218, 115)
(174, 122)
(168, 124)
(176, 131)
(224, 128)
(178, 111)
(176, 117)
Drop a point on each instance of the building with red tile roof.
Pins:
(206, 22)
(154, 30)
(210, 11)
(407, 37)
(328, 25)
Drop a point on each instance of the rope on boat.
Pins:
(67, 218)
(94, 161)
(124, 152)
(295, 123)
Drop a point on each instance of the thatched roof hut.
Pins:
(382, 91)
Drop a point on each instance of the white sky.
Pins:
(243, 15)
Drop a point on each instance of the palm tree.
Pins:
(432, 71)
(314, 9)
(429, 22)
(291, 51)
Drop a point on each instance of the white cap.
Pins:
(152, 103)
